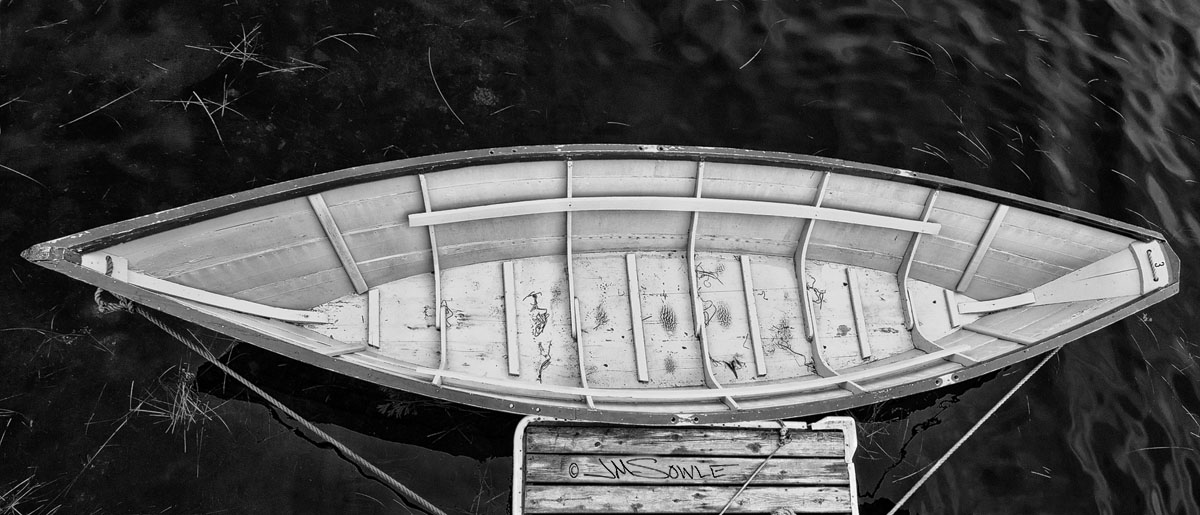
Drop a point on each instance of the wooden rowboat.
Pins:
(637, 284)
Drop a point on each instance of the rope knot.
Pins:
(106, 306)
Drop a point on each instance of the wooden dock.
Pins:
(752, 467)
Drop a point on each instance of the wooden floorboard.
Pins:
(510, 320)
(671, 499)
(635, 318)
(760, 360)
(604, 439)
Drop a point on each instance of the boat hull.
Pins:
(636, 230)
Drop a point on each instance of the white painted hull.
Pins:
(635, 284)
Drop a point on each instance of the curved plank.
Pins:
(99, 262)
(221, 301)
(906, 265)
(654, 203)
(801, 259)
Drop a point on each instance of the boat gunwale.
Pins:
(120, 232)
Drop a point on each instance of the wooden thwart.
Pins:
(578, 467)
(658, 203)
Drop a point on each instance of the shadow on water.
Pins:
(111, 109)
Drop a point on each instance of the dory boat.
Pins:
(636, 284)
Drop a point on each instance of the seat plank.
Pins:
(656, 203)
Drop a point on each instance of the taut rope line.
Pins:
(123, 304)
(970, 432)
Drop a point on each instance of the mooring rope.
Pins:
(784, 438)
(970, 432)
(123, 304)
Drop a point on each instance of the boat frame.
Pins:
(64, 255)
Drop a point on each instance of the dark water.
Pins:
(1095, 105)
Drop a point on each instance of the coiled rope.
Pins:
(123, 304)
(971, 431)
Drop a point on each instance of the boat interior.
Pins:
(646, 285)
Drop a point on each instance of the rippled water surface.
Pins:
(1094, 105)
